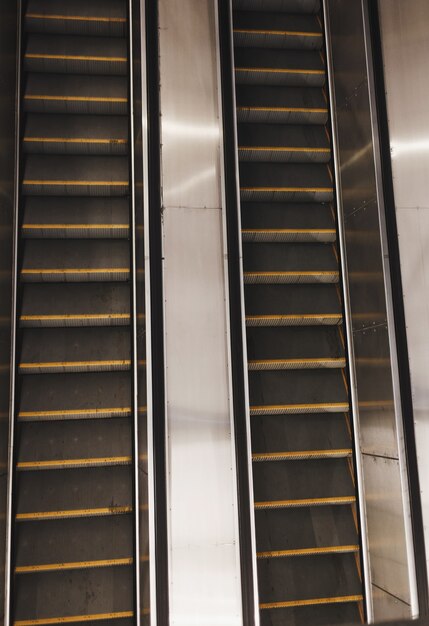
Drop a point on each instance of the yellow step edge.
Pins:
(121, 270)
(310, 602)
(44, 515)
(116, 410)
(54, 567)
(42, 16)
(91, 183)
(272, 70)
(114, 362)
(290, 189)
(283, 149)
(94, 316)
(70, 463)
(341, 406)
(317, 454)
(284, 504)
(272, 364)
(74, 98)
(274, 554)
(74, 618)
(321, 316)
(282, 109)
(74, 226)
(294, 273)
(292, 231)
(277, 32)
(74, 57)
(72, 140)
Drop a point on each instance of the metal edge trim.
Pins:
(248, 560)
(157, 418)
(9, 504)
(348, 325)
(401, 376)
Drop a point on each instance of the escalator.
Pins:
(73, 529)
(306, 510)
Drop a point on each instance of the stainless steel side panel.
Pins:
(406, 57)
(204, 572)
(378, 407)
(8, 78)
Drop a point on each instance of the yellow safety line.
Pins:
(116, 410)
(293, 273)
(279, 504)
(277, 32)
(113, 460)
(305, 316)
(75, 17)
(74, 57)
(76, 270)
(73, 618)
(289, 230)
(113, 510)
(107, 316)
(267, 456)
(277, 71)
(340, 361)
(75, 98)
(283, 109)
(73, 363)
(313, 601)
(289, 189)
(307, 552)
(119, 183)
(322, 405)
(72, 226)
(282, 149)
(52, 567)
(72, 140)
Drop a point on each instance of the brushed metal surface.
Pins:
(405, 53)
(381, 442)
(204, 571)
(190, 129)
(8, 83)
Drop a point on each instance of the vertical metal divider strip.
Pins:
(348, 326)
(148, 335)
(396, 327)
(11, 451)
(155, 309)
(240, 388)
(135, 400)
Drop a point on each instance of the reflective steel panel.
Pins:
(406, 54)
(204, 572)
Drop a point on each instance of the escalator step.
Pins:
(291, 305)
(254, 66)
(74, 397)
(53, 217)
(73, 260)
(56, 134)
(76, 55)
(302, 455)
(65, 350)
(288, 235)
(306, 502)
(72, 175)
(75, 304)
(310, 602)
(107, 18)
(277, 30)
(286, 278)
(105, 538)
(289, 6)
(280, 105)
(51, 93)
